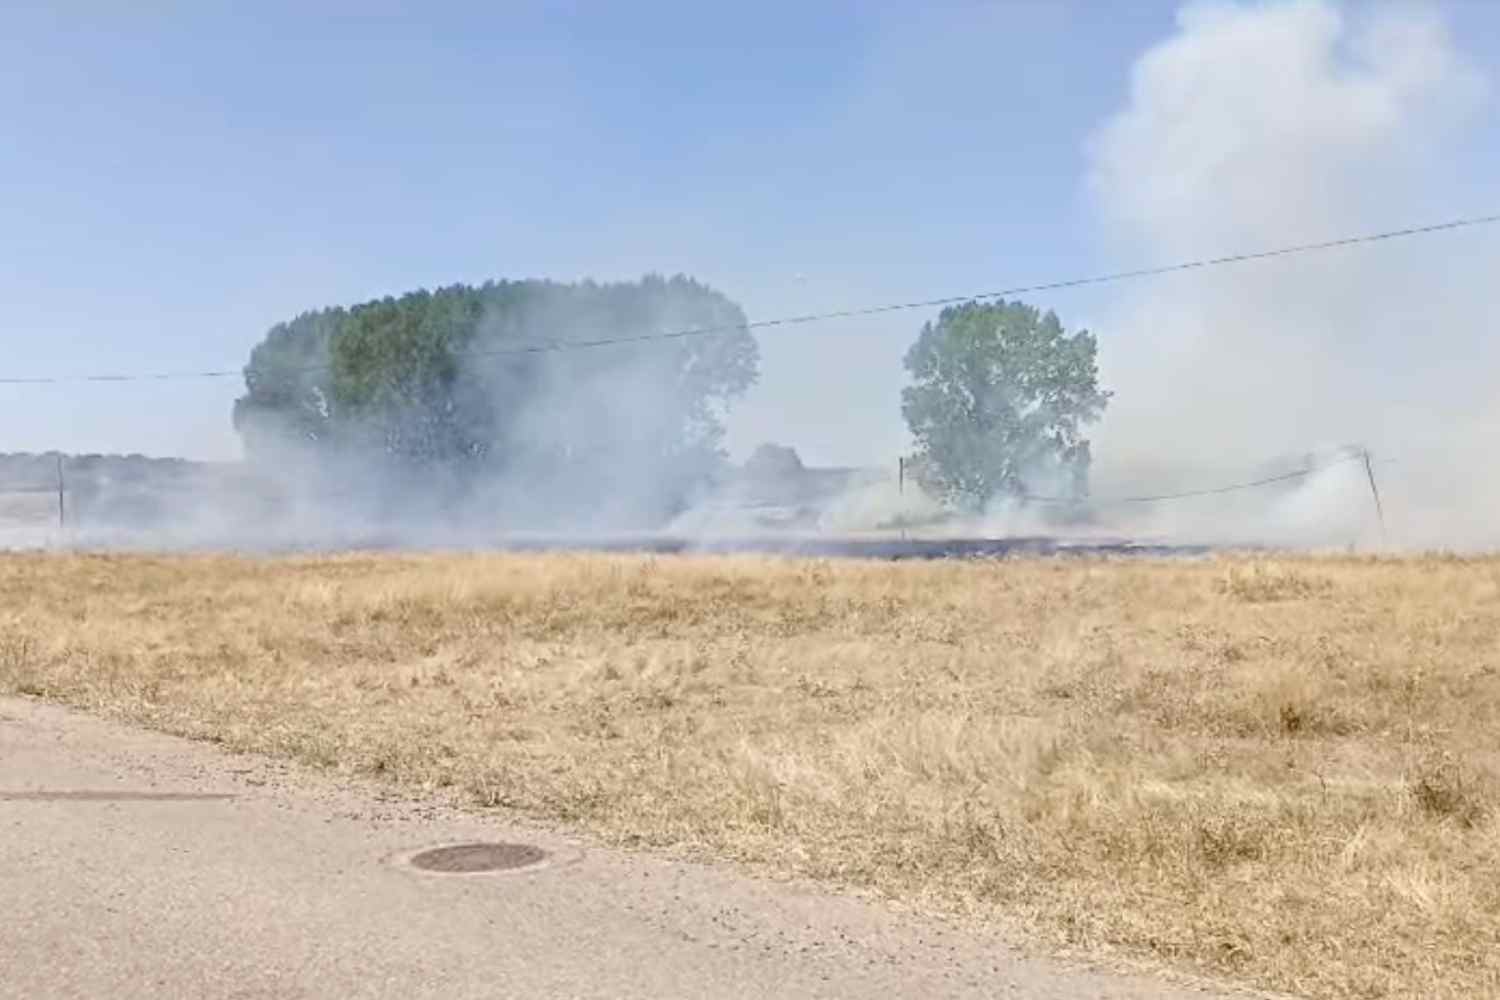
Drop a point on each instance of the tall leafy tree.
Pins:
(999, 397)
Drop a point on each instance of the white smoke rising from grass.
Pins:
(1261, 125)
(1252, 126)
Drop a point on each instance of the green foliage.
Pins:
(287, 382)
(475, 378)
(399, 380)
(999, 396)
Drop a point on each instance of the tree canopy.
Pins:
(998, 400)
(508, 378)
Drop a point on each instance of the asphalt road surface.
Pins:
(138, 865)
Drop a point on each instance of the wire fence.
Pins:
(1361, 455)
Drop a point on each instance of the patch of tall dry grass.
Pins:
(1283, 772)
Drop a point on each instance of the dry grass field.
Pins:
(1283, 772)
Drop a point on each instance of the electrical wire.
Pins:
(786, 321)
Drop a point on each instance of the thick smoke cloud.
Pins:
(1257, 126)
(1251, 126)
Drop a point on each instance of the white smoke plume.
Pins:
(1254, 125)
(1260, 125)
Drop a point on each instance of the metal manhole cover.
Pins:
(470, 859)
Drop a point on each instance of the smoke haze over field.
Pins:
(1261, 125)
(892, 155)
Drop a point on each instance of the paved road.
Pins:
(137, 865)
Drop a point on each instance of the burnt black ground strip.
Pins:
(888, 549)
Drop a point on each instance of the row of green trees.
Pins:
(468, 385)
(484, 382)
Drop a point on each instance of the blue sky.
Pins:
(176, 179)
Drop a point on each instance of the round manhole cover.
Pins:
(469, 859)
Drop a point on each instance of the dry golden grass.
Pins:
(1284, 772)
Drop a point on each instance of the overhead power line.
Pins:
(765, 324)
